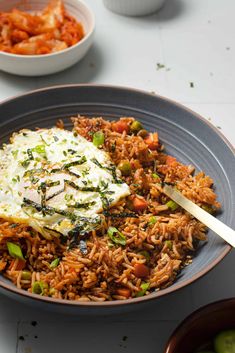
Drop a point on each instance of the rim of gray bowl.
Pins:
(156, 294)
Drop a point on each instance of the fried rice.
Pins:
(160, 237)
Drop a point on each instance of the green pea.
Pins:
(26, 275)
(125, 168)
(136, 126)
(51, 291)
(143, 133)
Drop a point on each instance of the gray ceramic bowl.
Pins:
(202, 326)
(185, 135)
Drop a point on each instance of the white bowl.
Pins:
(39, 65)
(134, 7)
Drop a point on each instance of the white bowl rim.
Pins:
(60, 52)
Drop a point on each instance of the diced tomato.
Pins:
(139, 204)
(124, 292)
(120, 126)
(2, 265)
(170, 160)
(141, 270)
(152, 141)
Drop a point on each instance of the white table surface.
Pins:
(195, 40)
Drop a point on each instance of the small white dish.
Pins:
(134, 7)
(39, 65)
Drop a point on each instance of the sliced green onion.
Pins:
(156, 176)
(144, 287)
(116, 236)
(38, 288)
(40, 149)
(208, 209)
(15, 153)
(169, 244)
(15, 251)
(98, 138)
(55, 263)
(172, 205)
(152, 220)
(145, 253)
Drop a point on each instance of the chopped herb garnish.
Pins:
(71, 151)
(51, 210)
(50, 184)
(34, 171)
(55, 138)
(40, 149)
(81, 188)
(112, 168)
(68, 197)
(120, 215)
(116, 236)
(25, 163)
(72, 164)
(43, 140)
(55, 194)
(30, 154)
(14, 153)
(65, 153)
(85, 205)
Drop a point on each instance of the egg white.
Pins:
(56, 182)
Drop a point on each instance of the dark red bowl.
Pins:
(202, 326)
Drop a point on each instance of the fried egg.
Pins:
(57, 182)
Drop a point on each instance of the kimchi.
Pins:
(49, 31)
